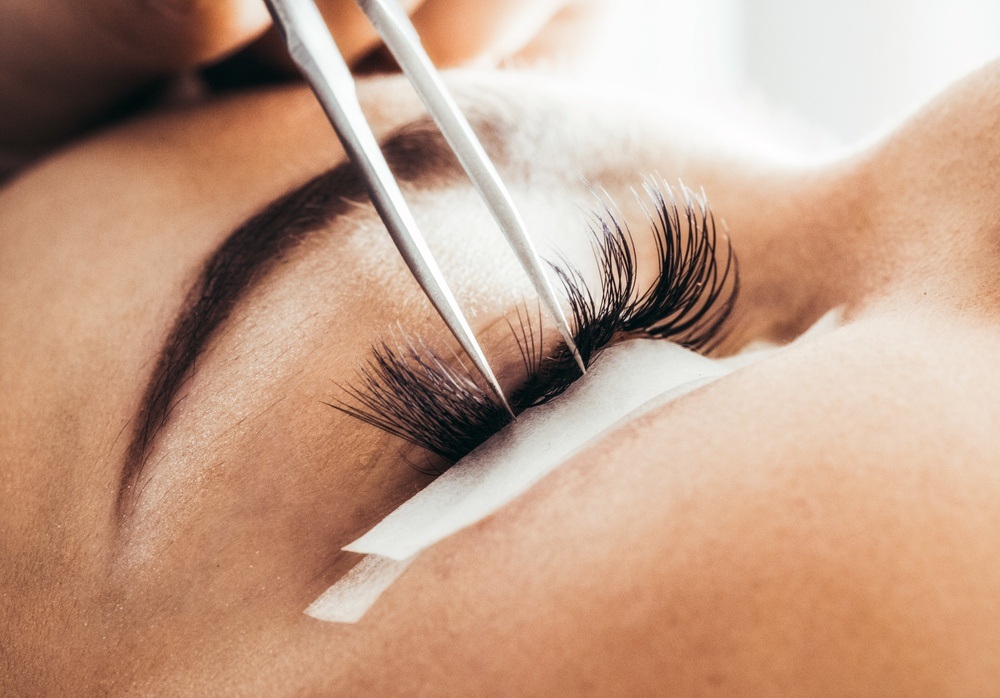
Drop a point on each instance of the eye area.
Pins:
(409, 390)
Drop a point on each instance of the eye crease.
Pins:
(408, 390)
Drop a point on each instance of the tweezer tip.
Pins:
(571, 343)
(503, 401)
(576, 355)
(491, 380)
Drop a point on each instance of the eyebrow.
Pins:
(417, 154)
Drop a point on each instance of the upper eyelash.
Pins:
(408, 390)
(682, 304)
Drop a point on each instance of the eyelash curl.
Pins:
(405, 388)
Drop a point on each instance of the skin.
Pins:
(818, 523)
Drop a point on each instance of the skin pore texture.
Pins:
(820, 522)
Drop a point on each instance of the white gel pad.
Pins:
(626, 377)
(354, 593)
(630, 378)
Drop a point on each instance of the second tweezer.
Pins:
(314, 52)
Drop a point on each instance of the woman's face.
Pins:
(177, 553)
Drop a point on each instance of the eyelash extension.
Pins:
(408, 390)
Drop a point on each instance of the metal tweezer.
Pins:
(324, 68)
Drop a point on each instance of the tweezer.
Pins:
(324, 68)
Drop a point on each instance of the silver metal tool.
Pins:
(315, 53)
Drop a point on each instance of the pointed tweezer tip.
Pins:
(503, 401)
(491, 380)
(579, 359)
(571, 345)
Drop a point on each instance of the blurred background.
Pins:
(840, 70)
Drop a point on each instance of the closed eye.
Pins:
(408, 390)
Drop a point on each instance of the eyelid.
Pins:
(408, 390)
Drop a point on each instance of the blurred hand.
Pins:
(66, 64)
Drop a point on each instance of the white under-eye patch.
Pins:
(630, 378)
(626, 376)
(354, 593)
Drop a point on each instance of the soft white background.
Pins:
(842, 70)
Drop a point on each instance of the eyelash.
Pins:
(409, 390)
